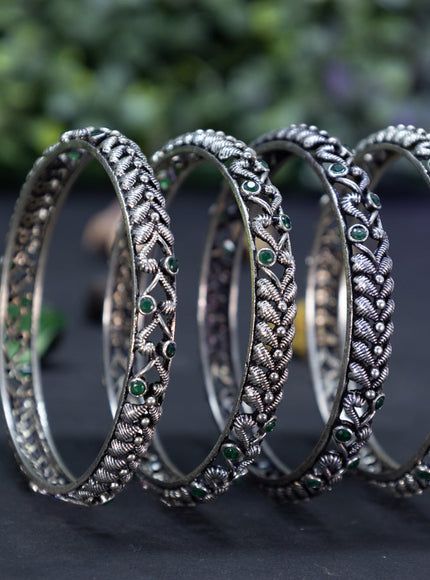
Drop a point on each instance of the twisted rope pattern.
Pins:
(265, 373)
(371, 287)
(148, 223)
(375, 154)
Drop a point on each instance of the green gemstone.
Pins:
(379, 402)
(353, 463)
(231, 452)
(358, 233)
(250, 186)
(423, 472)
(147, 305)
(198, 492)
(286, 221)
(138, 387)
(74, 155)
(170, 349)
(270, 425)
(266, 257)
(375, 200)
(312, 481)
(165, 183)
(264, 164)
(172, 265)
(337, 168)
(343, 434)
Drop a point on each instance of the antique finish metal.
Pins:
(350, 252)
(146, 225)
(256, 203)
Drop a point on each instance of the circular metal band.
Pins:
(355, 239)
(375, 154)
(146, 225)
(256, 204)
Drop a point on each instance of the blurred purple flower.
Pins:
(337, 80)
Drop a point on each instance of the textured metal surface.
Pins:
(348, 377)
(375, 154)
(147, 226)
(256, 203)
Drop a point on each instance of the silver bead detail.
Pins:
(150, 401)
(375, 373)
(261, 418)
(281, 331)
(379, 327)
(370, 394)
(268, 398)
(282, 306)
(274, 377)
(145, 421)
(278, 354)
(381, 304)
(379, 279)
(378, 350)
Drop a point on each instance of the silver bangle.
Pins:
(353, 377)
(376, 153)
(257, 204)
(147, 226)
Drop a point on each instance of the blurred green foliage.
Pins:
(153, 69)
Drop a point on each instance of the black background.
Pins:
(353, 532)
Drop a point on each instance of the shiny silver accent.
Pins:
(376, 153)
(340, 331)
(30, 231)
(240, 213)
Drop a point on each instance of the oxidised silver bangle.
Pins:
(375, 154)
(355, 247)
(147, 226)
(257, 204)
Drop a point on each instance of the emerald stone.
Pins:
(358, 233)
(343, 434)
(379, 402)
(423, 472)
(147, 305)
(270, 425)
(172, 265)
(231, 452)
(198, 491)
(250, 186)
(264, 164)
(266, 257)
(165, 183)
(353, 463)
(285, 221)
(312, 481)
(337, 168)
(138, 387)
(74, 155)
(170, 349)
(375, 200)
